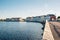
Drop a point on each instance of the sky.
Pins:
(25, 8)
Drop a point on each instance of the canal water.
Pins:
(20, 31)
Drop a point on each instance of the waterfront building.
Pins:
(29, 19)
(35, 19)
(13, 19)
(38, 18)
(42, 18)
(52, 16)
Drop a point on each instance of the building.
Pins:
(29, 19)
(42, 18)
(13, 19)
(34, 19)
(52, 16)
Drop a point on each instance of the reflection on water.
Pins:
(20, 31)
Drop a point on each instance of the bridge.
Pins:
(51, 31)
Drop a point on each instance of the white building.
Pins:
(41, 18)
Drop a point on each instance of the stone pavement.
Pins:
(55, 28)
(52, 31)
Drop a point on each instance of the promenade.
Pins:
(55, 28)
(52, 31)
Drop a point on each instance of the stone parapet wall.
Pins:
(47, 35)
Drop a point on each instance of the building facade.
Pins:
(42, 18)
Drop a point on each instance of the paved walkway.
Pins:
(55, 28)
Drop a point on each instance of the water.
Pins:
(20, 31)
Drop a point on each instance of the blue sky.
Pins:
(25, 8)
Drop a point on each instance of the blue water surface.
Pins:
(20, 31)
